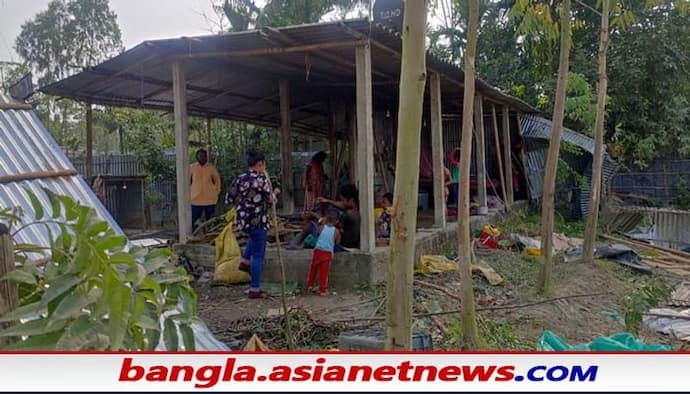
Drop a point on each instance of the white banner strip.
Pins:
(351, 372)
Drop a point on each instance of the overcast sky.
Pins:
(139, 20)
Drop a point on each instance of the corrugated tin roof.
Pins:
(26, 146)
(538, 128)
(244, 87)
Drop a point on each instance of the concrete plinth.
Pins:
(351, 268)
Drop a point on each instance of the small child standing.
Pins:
(329, 236)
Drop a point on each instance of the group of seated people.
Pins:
(346, 210)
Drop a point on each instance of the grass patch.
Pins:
(528, 222)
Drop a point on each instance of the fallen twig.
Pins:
(492, 308)
(439, 288)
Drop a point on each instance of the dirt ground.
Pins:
(606, 291)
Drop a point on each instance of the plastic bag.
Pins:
(228, 255)
(621, 342)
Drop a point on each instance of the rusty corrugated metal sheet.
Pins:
(26, 146)
(537, 128)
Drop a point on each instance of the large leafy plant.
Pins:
(89, 291)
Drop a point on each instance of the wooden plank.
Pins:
(273, 50)
(8, 289)
(89, 142)
(481, 153)
(507, 157)
(184, 207)
(288, 188)
(365, 148)
(437, 151)
(497, 142)
(16, 106)
(352, 142)
(37, 175)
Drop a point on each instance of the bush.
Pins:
(89, 292)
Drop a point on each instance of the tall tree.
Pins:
(401, 267)
(593, 216)
(246, 14)
(547, 213)
(67, 36)
(469, 323)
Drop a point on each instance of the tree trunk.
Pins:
(547, 211)
(593, 217)
(469, 323)
(401, 267)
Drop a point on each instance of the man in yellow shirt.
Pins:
(205, 188)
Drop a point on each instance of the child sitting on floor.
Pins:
(383, 222)
(329, 237)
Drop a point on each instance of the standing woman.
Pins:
(314, 180)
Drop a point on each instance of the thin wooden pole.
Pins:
(184, 207)
(208, 138)
(8, 288)
(507, 157)
(333, 143)
(286, 148)
(437, 150)
(497, 142)
(481, 153)
(365, 148)
(89, 142)
(283, 284)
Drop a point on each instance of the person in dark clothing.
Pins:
(252, 196)
(348, 204)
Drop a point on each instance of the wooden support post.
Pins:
(333, 144)
(184, 207)
(507, 157)
(497, 142)
(352, 142)
(481, 153)
(8, 289)
(365, 148)
(437, 151)
(89, 142)
(208, 138)
(288, 189)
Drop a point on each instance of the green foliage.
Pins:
(682, 193)
(580, 104)
(528, 222)
(246, 14)
(645, 297)
(70, 33)
(92, 293)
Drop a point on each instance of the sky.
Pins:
(139, 20)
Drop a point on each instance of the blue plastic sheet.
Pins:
(622, 342)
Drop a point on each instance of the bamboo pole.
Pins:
(283, 284)
(499, 159)
(27, 176)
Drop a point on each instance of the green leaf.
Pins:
(80, 334)
(147, 323)
(153, 338)
(54, 202)
(112, 242)
(29, 248)
(20, 276)
(170, 336)
(70, 207)
(168, 278)
(33, 327)
(187, 337)
(24, 312)
(97, 228)
(188, 301)
(60, 286)
(37, 342)
(35, 204)
(118, 300)
(122, 258)
(71, 306)
(136, 274)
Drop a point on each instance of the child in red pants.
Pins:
(329, 236)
